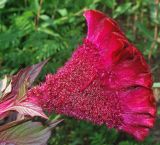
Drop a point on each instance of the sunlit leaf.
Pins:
(3, 84)
(156, 85)
(8, 89)
(2, 3)
(22, 92)
(5, 88)
(63, 12)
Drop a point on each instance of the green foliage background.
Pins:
(33, 30)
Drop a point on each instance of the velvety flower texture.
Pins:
(106, 81)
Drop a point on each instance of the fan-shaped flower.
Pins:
(106, 81)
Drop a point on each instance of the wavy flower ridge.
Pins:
(106, 81)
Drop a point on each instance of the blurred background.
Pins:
(34, 30)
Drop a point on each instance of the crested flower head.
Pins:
(106, 81)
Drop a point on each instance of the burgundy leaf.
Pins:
(13, 96)
(4, 106)
(26, 108)
(28, 133)
(28, 75)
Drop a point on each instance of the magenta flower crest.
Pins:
(106, 81)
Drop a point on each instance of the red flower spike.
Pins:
(106, 81)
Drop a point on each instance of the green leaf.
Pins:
(35, 6)
(125, 143)
(63, 12)
(110, 3)
(144, 30)
(48, 31)
(123, 8)
(2, 3)
(156, 85)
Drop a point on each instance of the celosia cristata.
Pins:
(106, 81)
